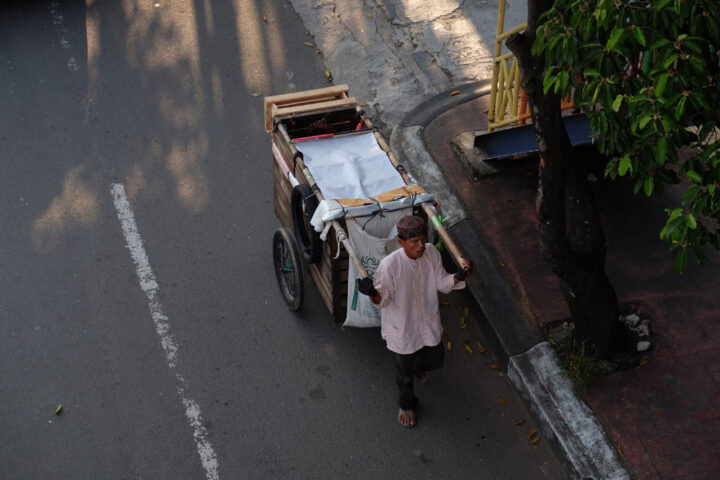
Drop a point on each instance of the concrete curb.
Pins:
(566, 421)
(407, 143)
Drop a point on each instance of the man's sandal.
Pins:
(421, 377)
(410, 416)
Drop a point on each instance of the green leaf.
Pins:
(691, 221)
(591, 72)
(694, 176)
(660, 84)
(660, 5)
(660, 43)
(667, 124)
(625, 165)
(617, 103)
(644, 121)
(615, 37)
(670, 227)
(681, 261)
(675, 214)
(661, 151)
(549, 80)
(639, 35)
(597, 92)
(669, 61)
(637, 187)
(690, 194)
(697, 63)
(649, 185)
(680, 108)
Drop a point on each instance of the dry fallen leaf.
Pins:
(481, 349)
(362, 104)
(58, 410)
(468, 348)
(620, 451)
(519, 423)
(264, 19)
(444, 304)
(449, 345)
(328, 75)
(369, 16)
(462, 323)
(535, 440)
(456, 92)
(532, 432)
(493, 365)
(309, 44)
(503, 401)
(256, 94)
(643, 362)
(466, 311)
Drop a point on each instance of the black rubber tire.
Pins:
(288, 268)
(303, 203)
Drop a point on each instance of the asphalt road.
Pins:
(136, 285)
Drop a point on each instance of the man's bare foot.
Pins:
(407, 418)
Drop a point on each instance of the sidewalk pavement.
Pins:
(658, 421)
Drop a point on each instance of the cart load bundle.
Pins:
(334, 174)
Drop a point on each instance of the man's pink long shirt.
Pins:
(410, 315)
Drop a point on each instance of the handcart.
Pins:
(332, 166)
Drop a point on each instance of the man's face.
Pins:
(414, 247)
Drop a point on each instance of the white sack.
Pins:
(371, 249)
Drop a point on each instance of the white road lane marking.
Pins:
(149, 285)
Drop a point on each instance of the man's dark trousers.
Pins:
(407, 366)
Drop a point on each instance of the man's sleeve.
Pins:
(384, 284)
(444, 281)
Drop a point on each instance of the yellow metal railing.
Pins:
(505, 90)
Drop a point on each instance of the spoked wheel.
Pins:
(288, 268)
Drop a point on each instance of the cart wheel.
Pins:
(288, 268)
(303, 203)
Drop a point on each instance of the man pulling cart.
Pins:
(334, 174)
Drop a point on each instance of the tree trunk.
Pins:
(572, 240)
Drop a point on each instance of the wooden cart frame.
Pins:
(316, 113)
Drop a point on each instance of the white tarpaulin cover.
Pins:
(352, 166)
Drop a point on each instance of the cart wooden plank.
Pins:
(282, 197)
(311, 107)
(298, 102)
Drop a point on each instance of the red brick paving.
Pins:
(665, 414)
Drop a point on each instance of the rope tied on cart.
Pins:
(374, 214)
